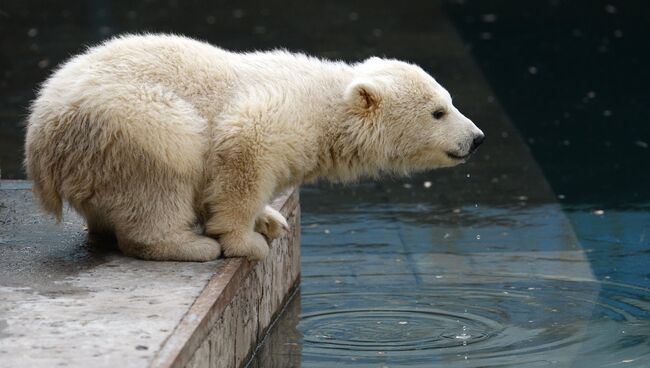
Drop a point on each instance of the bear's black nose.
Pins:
(477, 141)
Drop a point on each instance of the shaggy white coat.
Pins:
(148, 135)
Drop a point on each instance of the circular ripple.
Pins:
(395, 329)
(540, 323)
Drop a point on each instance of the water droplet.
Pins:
(408, 186)
(532, 70)
(468, 175)
(607, 113)
(43, 63)
(238, 13)
(489, 18)
(210, 19)
(427, 184)
(105, 30)
(33, 32)
(591, 94)
(618, 33)
(611, 9)
(478, 237)
(599, 212)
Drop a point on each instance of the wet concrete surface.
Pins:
(65, 300)
(37, 253)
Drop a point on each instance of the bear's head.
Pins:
(404, 119)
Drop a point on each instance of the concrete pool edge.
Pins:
(65, 300)
(194, 341)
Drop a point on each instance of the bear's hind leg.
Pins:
(184, 246)
(161, 228)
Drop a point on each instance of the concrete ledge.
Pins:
(66, 302)
(238, 305)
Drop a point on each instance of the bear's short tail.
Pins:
(49, 197)
(44, 180)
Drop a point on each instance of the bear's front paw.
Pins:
(250, 245)
(271, 223)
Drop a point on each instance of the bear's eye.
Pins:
(439, 114)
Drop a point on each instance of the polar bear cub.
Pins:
(147, 136)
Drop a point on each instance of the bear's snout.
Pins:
(478, 139)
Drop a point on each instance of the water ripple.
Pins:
(396, 330)
(482, 325)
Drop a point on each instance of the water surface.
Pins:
(389, 283)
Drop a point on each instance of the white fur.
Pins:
(146, 136)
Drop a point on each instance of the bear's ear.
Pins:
(362, 95)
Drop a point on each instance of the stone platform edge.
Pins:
(238, 304)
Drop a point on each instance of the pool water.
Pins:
(390, 283)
